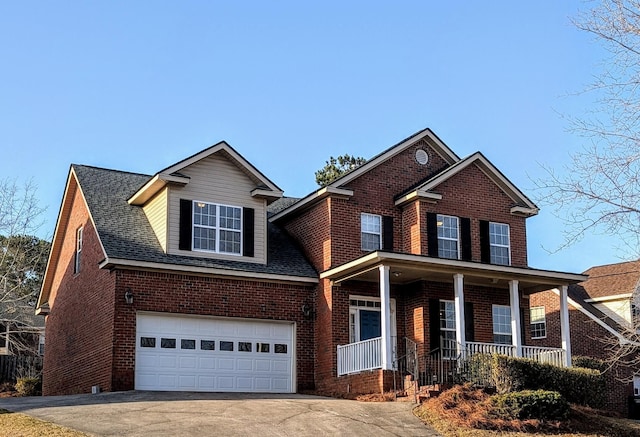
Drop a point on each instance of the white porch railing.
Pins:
(359, 356)
(548, 355)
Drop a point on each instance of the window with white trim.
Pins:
(448, 237)
(499, 244)
(502, 324)
(77, 257)
(538, 322)
(217, 228)
(448, 341)
(371, 231)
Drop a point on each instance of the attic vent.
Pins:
(421, 157)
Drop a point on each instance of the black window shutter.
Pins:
(485, 248)
(432, 234)
(434, 324)
(465, 235)
(523, 337)
(186, 224)
(469, 329)
(387, 233)
(248, 231)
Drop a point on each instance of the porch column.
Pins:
(458, 303)
(516, 329)
(385, 319)
(564, 325)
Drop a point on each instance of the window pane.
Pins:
(204, 238)
(229, 241)
(447, 236)
(280, 348)
(262, 347)
(226, 346)
(168, 343)
(229, 217)
(244, 346)
(147, 342)
(187, 344)
(207, 345)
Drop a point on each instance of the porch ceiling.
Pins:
(407, 268)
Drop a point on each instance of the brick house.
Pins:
(204, 277)
(601, 310)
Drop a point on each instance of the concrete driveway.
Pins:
(138, 413)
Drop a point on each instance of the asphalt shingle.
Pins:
(126, 233)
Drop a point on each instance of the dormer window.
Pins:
(217, 228)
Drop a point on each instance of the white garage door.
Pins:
(181, 353)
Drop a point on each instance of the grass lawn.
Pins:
(21, 425)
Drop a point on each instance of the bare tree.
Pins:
(23, 260)
(599, 191)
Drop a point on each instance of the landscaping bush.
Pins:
(577, 385)
(530, 404)
(29, 386)
(589, 363)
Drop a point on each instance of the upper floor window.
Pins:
(502, 324)
(77, 257)
(217, 228)
(499, 245)
(538, 322)
(371, 231)
(448, 237)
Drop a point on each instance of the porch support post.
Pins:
(564, 325)
(458, 302)
(385, 319)
(516, 329)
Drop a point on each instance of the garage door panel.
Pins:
(208, 354)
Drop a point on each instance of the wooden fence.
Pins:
(12, 367)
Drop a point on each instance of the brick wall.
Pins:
(79, 328)
(188, 294)
(586, 340)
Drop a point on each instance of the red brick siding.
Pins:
(312, 230)
(207, 296)
(79, 327)
(586, 340)
(472, 194)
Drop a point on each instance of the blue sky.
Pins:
(140, 85)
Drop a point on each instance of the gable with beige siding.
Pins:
(216, 179)
(156, 212)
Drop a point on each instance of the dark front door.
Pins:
(369, 325)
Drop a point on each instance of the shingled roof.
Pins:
(126, 234)
(611, 280)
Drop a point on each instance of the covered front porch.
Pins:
(501, 289)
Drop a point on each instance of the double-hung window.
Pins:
(502, 324)
(217, 228)
(499, 244)
(448, 237)
(538, 322)
(371, 231)
(77, 257)
(448, 339)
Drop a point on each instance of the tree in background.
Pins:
(599, 191)
(336, 167)
(23, 259)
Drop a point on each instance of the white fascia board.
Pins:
(592, 316)
(427, 196)
(208, 271)
(527, 212)
(381, 257)
(312, 198)
(259, 192)
(155, 184)
(609, 298)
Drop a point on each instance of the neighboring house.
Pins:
(203, 277)
(601, 311)
(21, 331)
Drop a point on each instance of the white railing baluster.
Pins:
(548, 355)
(359, 356)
